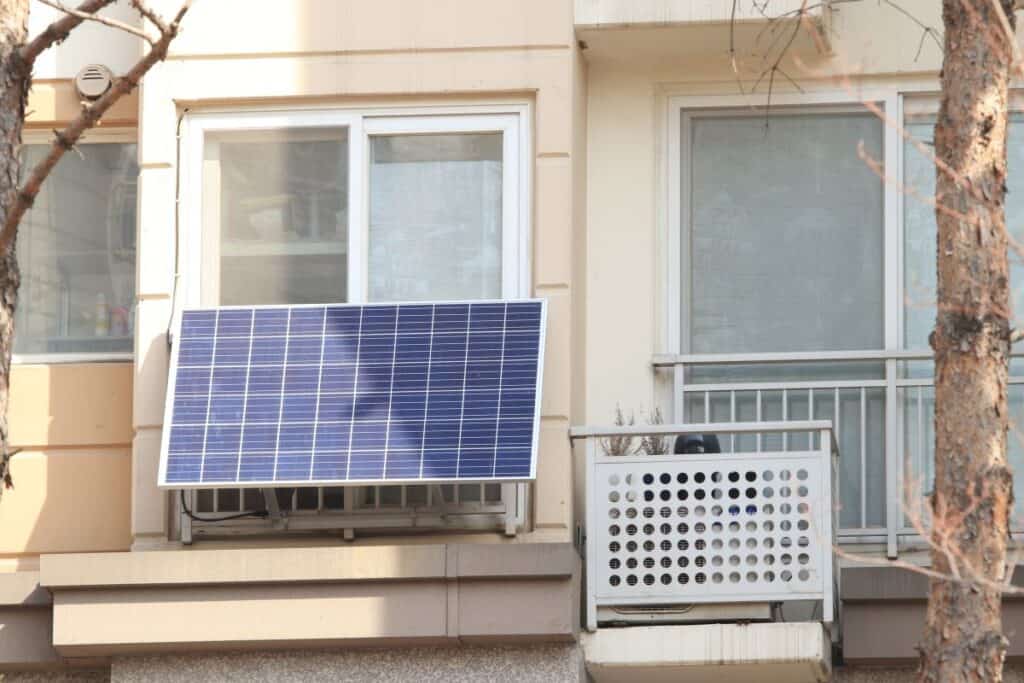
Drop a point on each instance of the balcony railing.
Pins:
(881, 405)
(714, 528)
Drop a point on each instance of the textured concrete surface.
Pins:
(869, 674)
(557, 663)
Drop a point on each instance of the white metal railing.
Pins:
(405, 508)
(669, 529)
(881, 417)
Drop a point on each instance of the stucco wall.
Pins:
(72, 478)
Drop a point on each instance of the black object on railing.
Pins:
(697, 443)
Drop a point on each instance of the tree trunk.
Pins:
(963, 638)
(15, 78)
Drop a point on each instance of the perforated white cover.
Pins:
(710, 528)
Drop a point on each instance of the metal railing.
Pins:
(880, 404)
(407, 508)
(710, 528)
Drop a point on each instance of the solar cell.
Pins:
(373, 393)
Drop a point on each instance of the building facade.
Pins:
(719, 242)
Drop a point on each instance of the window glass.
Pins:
(786, 234)
(435, 217)
(76, 250)
(919, 284)
(919, 228)
(276, 204)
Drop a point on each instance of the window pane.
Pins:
(919, 270)
(435, 217)
(787, 234)
(919, 449)
(277, 203)
(77, 254)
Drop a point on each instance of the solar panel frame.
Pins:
(237, 482)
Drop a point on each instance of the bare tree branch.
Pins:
(99, 18)
(59, 30)
(66, 138)
(149, 14)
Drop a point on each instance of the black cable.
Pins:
(184, 507)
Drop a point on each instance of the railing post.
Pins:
(589, 552)
(831, 514)
(678, 387)
(893, 508)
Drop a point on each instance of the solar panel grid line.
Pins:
(319, 382)
(501, 376)
(280, 410)
(462, 408)
(355, 389)
(245, 399)
(391, 389)
(426, 398)
(209, 399)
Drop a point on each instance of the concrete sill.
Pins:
(790, 653)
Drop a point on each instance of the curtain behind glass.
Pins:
(787, 234)
(435, 217)
(277, 200)
(919, 270)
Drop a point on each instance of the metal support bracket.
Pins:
(270, 500)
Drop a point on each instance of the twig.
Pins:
(100, 19)
(90, 114)
(59, 30)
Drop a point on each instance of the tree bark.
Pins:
(973, 494)
(15, 78)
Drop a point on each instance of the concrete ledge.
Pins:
(790, 653)
(884, 611)
(22, 589)
(143, 602)
(26, 622)
(305, 565)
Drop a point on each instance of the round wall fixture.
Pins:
(93, 80)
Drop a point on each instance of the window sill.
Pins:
(80, 357)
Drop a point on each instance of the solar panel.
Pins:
(354, 394)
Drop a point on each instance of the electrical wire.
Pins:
(263, 514)
(177, 222)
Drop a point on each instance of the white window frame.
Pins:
(510, 120)
(112, 135)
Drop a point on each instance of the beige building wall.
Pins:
(71, 422)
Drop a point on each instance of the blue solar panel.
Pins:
(335, 394)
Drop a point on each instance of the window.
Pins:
(278, 202)
(919, 286)
(786, 233)
(76, 250)
(817, 279)
(348, 206)
(322, 207)
(435, 217)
